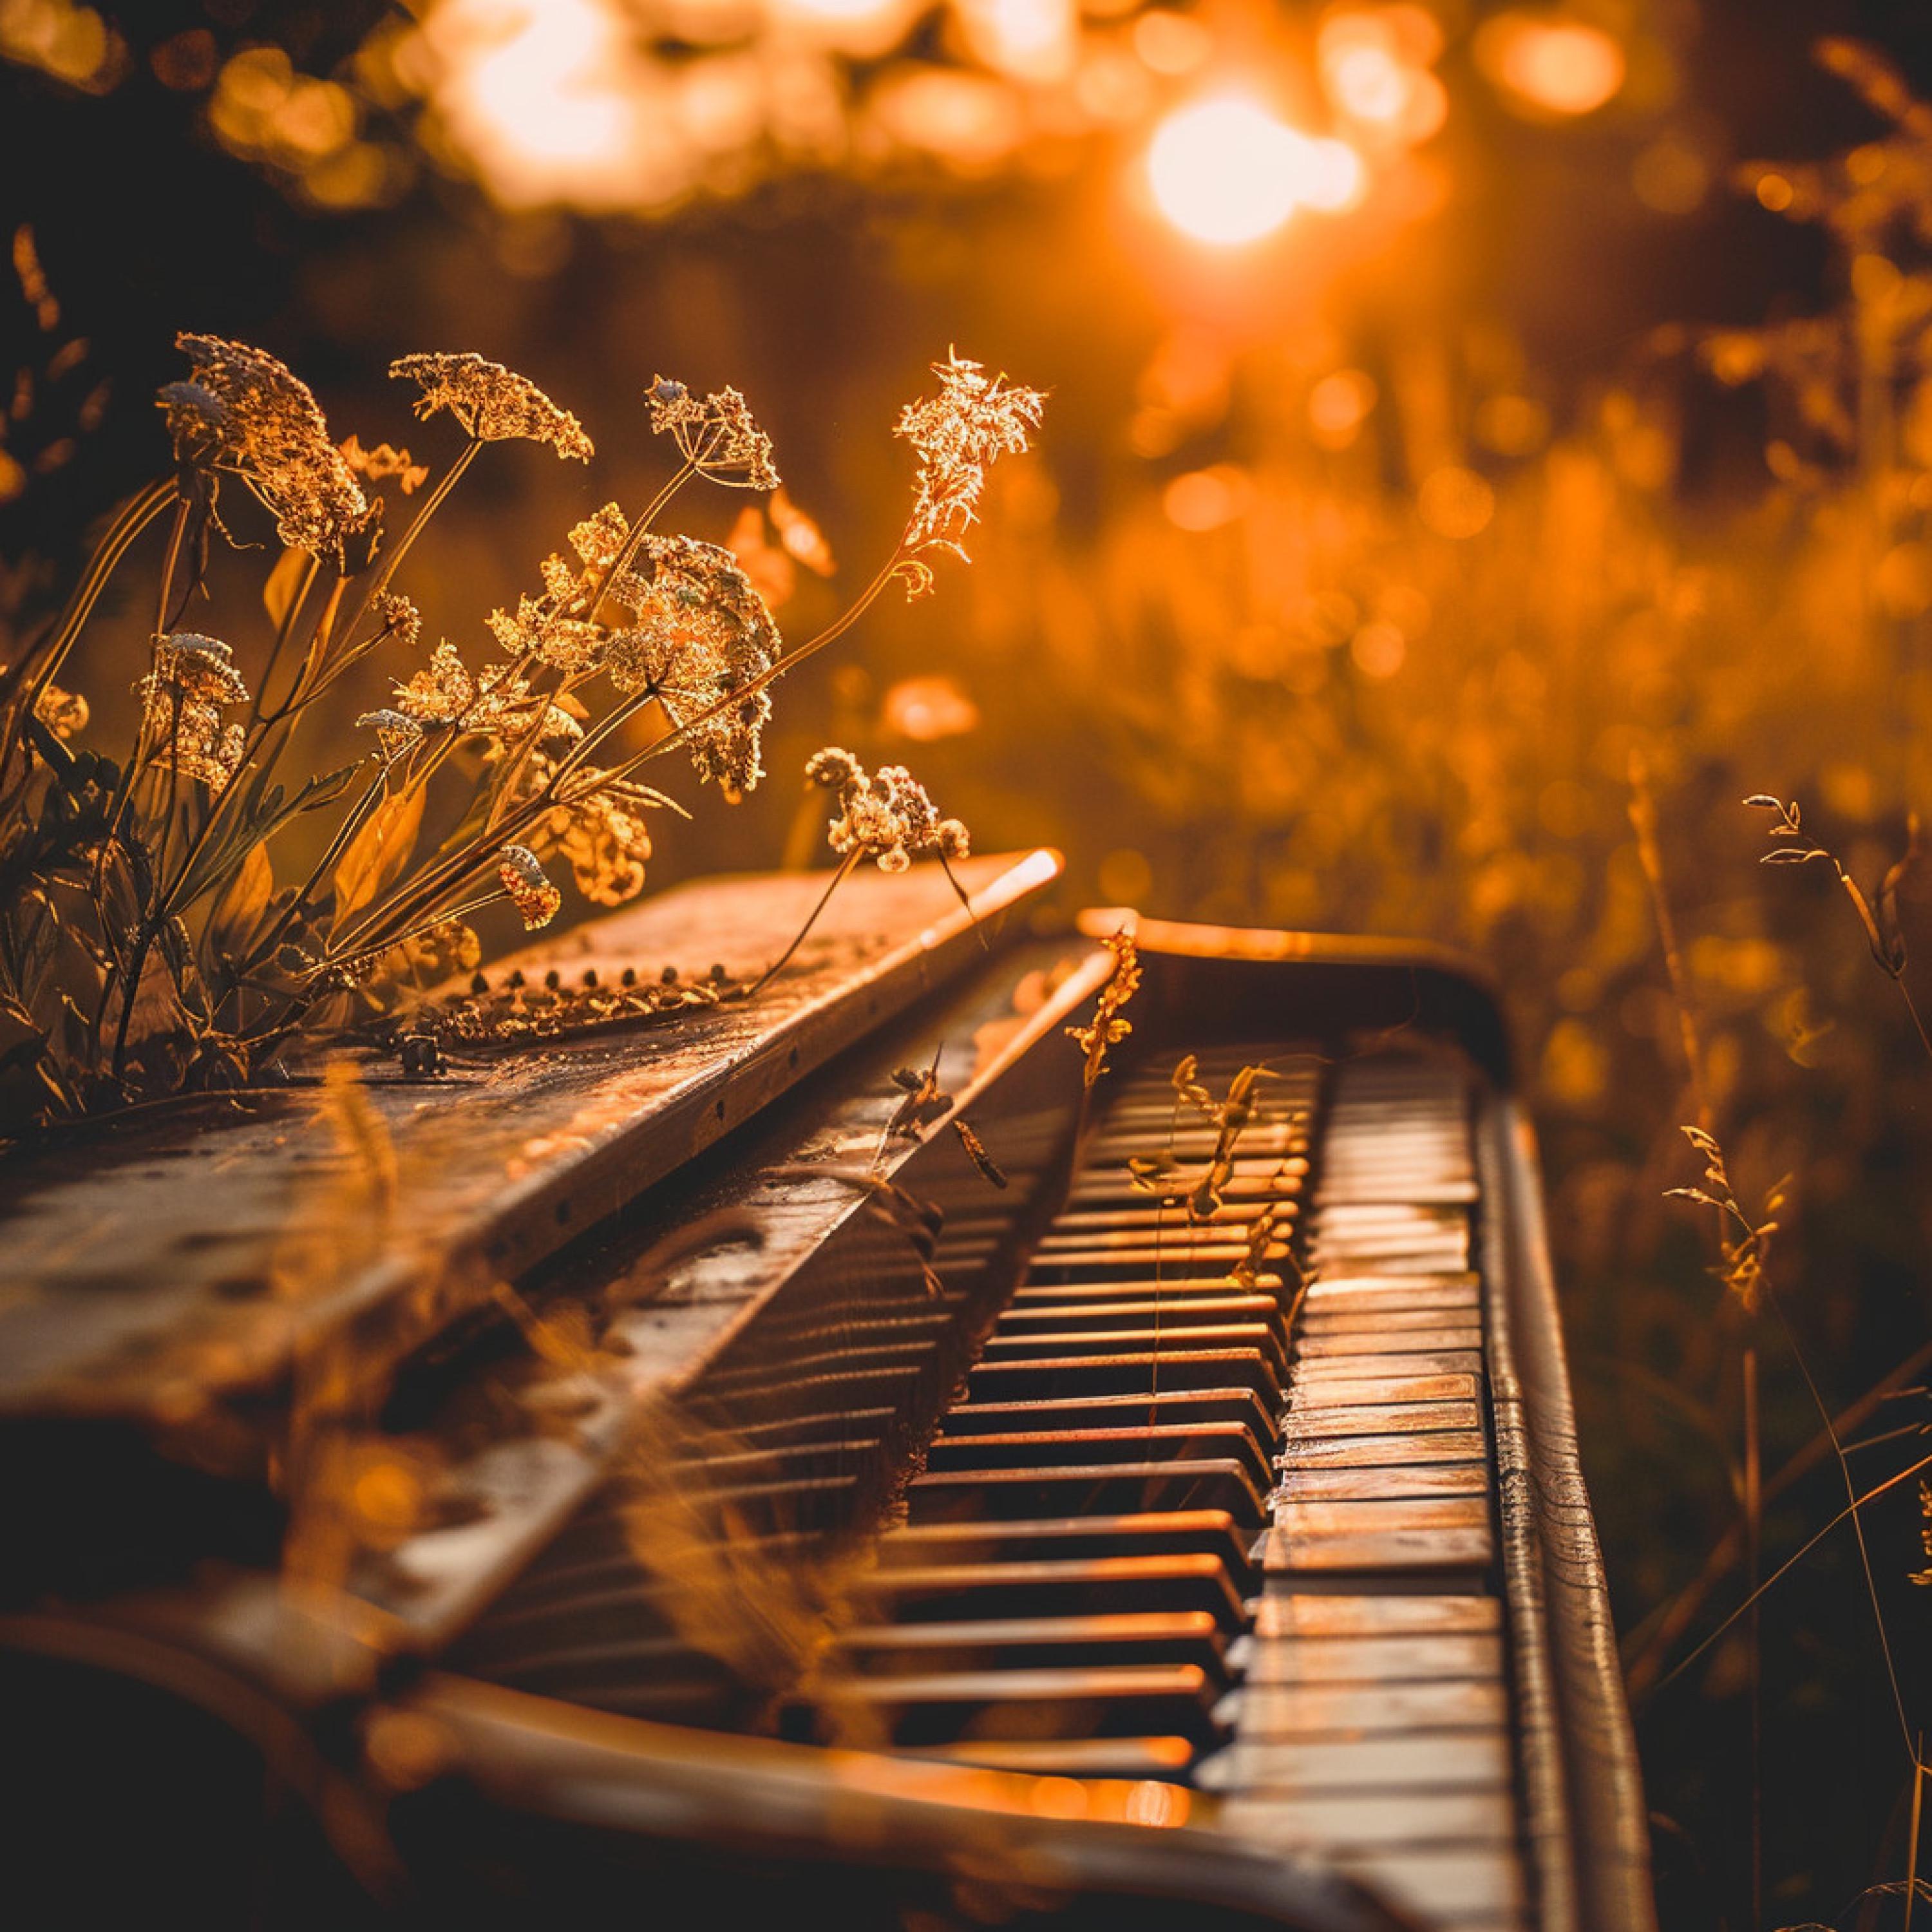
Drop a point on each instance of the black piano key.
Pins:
(1163, 1405)
(1075, 1375)
(1219, 1483)
(1214, 1533)
(1052, 1449)
(1061, 1586)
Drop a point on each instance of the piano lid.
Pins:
(158, 1273)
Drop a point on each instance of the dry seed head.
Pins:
(531, 893)
(402, 620)
(494, 404)
(715, 434)
(243, 412)
(496, 703)
(958, 434)
(702, 632)
(887, 816)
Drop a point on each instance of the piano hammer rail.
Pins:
(885, 1543)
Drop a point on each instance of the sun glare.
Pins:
(1226, 172)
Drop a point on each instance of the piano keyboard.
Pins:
(1227, 1563)
(1174, 1527)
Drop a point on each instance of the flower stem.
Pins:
(26, 690)
(431, 504)
(843, 872)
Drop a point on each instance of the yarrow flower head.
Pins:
(715, 434)
(402, 620)
(243, 413)
(494, 404)
(557, 629)
(886, 816)
(531, 893)
(958, 434)
(181, 698)
(702, 632)
(494, 703)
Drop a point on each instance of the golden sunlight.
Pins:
(1226, 171)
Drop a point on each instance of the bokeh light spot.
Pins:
(1455, 502)
(1338, 406)
(1206, 499)
(1552, 65)
(1378, 648)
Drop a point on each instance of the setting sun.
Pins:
(1226, 171)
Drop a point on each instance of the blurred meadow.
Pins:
(1483, 444)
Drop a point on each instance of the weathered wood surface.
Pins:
(154, 1267)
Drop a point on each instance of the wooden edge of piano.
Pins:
(815, 1448)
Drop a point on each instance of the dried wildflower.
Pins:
(1743, 1244)
(1883, 933)
(565, 643)
(601, 833)
(599, 539)
(494, 404)
(64, 713)
(976, 1152)
(715, 434)
(557, 628)
(974, 418)
(1107, 1028)
(495, 704)
(397, 732)
(401, 620)
(244, 413)
(702, 631)
(530, 890)
(887, 817)
(181, 697)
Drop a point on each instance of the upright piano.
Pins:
(856, 1454)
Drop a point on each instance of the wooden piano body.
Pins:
(669, 1465)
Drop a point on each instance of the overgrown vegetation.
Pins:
(148, 945)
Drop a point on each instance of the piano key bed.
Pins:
(851, 1510)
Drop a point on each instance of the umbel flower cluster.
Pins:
(159, 937)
